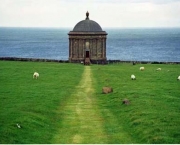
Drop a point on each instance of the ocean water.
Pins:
(156, 44)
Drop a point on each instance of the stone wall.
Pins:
(95, 62)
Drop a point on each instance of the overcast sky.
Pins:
(108, 13)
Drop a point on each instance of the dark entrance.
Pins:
(87, 54)
(87, 59)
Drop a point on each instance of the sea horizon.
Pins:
(126, 44)
(159, 27)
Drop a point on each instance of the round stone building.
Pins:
(87, 42)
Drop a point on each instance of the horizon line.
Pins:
(136, 27)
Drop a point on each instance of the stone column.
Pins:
(77, 48)
(69, 48)
(80, 49)
(82, 45)
(73, 48)
(95, 47)
(102, 40)
(76, 45)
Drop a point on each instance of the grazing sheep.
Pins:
(35, 75)
(133, 77)
(178, 78)
(142, 68)
(158, 69)
(18, 126)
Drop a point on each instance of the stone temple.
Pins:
(87, 42)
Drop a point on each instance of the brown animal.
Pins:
(126, 102)
(106, 90)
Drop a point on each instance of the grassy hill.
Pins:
(153, 115)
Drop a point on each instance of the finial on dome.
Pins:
(87, 15)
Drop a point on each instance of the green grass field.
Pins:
(153, 115)
(40, 106)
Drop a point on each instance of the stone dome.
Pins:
(87, 25)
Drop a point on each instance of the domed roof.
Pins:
(87, 25)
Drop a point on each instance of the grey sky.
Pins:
(108, 13)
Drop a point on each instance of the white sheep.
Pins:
(142, 68)
(178, 78)
(18, 125)
(133, 77)
(158, 69)
(35, 75)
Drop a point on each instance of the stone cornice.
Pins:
(87, 33)
(87, 37)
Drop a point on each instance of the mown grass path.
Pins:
(82, 122)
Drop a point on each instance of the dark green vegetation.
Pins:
(153, 115)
